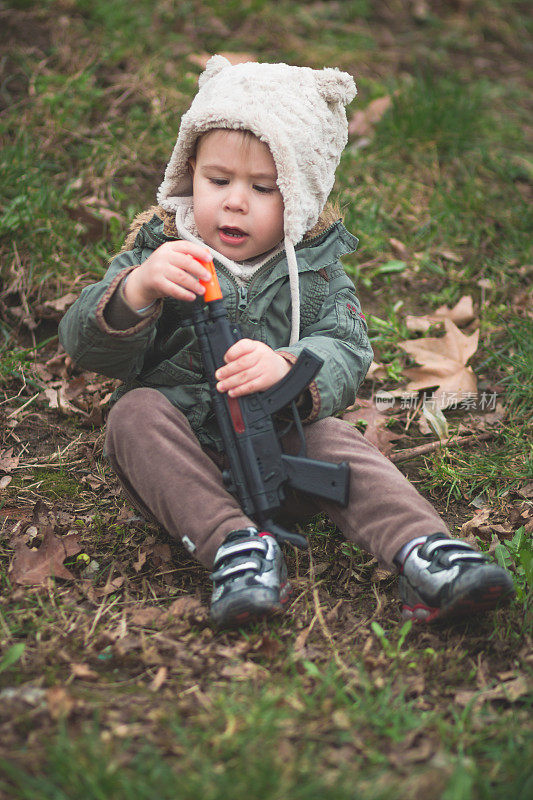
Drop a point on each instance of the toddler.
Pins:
(247, 185)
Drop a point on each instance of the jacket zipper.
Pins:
(243, 300)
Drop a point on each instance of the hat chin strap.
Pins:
(294, 282)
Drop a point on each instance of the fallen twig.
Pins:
(320, 616)
(422, 449)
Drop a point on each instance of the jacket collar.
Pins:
(316, 253)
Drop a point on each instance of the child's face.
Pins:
(238, 208)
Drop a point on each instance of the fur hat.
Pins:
(297, 111)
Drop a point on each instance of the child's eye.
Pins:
(263, 189)
(219, 181)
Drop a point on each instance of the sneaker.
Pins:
(250, 579)
(444, 578)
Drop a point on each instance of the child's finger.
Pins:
(238, 379)
(239, 374)
(244, 362)
(249, 387)
(181, 277)
(190, 248)
(189, 264)
(171, 289)
(240, 348)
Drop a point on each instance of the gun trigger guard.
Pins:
(281, 535)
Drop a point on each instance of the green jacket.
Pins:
(160, 349)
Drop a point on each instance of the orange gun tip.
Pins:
(212, 286)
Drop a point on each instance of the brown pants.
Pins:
(168, 475)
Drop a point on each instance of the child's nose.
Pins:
(236, 199)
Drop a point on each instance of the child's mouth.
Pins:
(232, 235)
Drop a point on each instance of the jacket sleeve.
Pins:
(339, 336)
(86, 330)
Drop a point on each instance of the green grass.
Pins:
(55, 483)
(282, 741)
(440, 114)
(507, 462)
(446, 169)
(517, 555)
(93, 93)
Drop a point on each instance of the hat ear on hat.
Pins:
(335, 86)
(215, 65)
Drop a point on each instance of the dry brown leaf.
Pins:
(236, 650)
(146, 616)
(448, 255)
(54, 309)
(443, 364)
(461, 314)
(375, 431)
(493, 417)
(60, 703)
(110, 587)
(160, 554)
(139, 564)
(8, 461)
(73, 388)
(22, 313)
(381, 574)
(415, 748)
(185, 606)
(33, 567)
(83, 672)
(527, 490)
(509, 691)
(242, 671)
(267, 646)
(362, 122)
(477, 524)
(399, 249)
(94, 481)
(301, 639)
(127, 731)
(377, 372)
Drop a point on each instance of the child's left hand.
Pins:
(251, 366)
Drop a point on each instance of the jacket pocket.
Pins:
(349, 319)
(168, 373)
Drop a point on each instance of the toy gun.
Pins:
(259, 472)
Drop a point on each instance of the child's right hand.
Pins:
(171, 271)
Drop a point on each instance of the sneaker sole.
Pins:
(477, 600)
(241, 608)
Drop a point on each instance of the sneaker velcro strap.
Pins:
(465, 556)
(236, 568)
(239, 548)
(427, 549)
